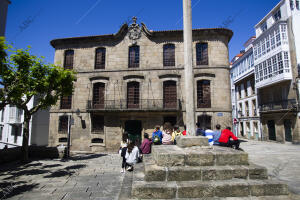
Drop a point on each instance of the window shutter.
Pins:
(133, 94)
(100, 58)
(98, 95)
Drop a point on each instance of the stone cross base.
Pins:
(190, 141)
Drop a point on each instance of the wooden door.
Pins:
(98, 95)
(133, 95)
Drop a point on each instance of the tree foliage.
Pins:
(24, 76)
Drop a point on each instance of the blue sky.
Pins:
(37, 22)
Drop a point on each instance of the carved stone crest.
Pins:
(134, 31)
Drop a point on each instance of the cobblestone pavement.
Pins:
(281, 160)
(98, 176)
(84, 177)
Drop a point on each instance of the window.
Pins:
(69, 57)
(98, 95)
(2, 115)
(277, 15)
(292, 4)
(246, 89)
(97, 140)
(1, 132)
(170, 94)
(66, 102)
(63, 140)
(203, 94)
(264, 27)
(252, 86)
(63, 124)
(169, 55)
(134, 57)
(16, 130)
(202, 53)
(297, 5)
(100, 58)
(204, 121)
(97, 123)
(133, 94)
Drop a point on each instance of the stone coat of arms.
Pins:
(134, 31)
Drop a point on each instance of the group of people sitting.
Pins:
(131, 152)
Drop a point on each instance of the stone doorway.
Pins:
(134, 129)
(271, 129)
(288, 130)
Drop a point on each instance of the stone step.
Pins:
(204, 189)
(172, 155)
(204, 173)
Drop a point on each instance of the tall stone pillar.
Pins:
(188, 67)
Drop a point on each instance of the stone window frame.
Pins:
(102, 65)
(66, 59)
(92, 129)
(104, 80)
(60, 129)
(141, 81)
(132, 63)
(169, 57)
(212, 90)
(170, 77)
(199, 52)
(68, 105)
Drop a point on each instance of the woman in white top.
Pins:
(132, 155)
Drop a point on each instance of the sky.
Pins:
(36, 22)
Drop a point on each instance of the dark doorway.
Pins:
(171, 119)
(205, 121)
(134, 129)
(242, 129)
(288, 130)
(271, 129)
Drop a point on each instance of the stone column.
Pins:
(188, 67)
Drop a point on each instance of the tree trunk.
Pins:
(25, 137)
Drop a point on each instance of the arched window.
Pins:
(98, 95)
(69, 57)
(170, 94)
(133, 94)
(134, 57)
(100, 58)
(169, 55)
(202, 53)
(203, 94)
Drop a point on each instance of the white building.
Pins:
(11, 130)
(244, 99)
(276, 57)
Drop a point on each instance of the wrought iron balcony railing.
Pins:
(142, 104)
(279, 105)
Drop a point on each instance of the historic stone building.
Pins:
(133, 80)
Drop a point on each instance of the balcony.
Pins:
(290, 104)
(141, 105)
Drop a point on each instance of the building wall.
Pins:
(3, 14)
(151, 74)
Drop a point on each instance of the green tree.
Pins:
(24, 76)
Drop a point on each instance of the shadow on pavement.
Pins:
(85, 157)
(10, 189)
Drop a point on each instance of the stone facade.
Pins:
(151, 75)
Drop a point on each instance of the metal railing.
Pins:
(279, 105)
(142, 104)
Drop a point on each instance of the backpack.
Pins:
(156, 139)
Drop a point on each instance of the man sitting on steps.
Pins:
(225, 141)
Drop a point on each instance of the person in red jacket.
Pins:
(225, 140)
